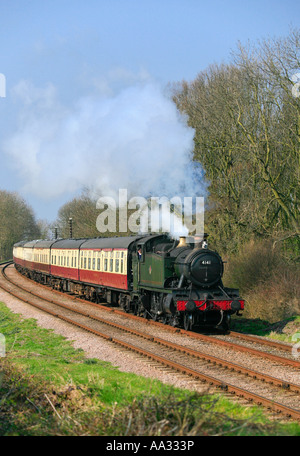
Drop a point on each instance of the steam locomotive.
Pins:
(155, 276)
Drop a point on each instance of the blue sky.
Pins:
(56, 55)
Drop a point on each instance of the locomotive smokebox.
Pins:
(202, 267)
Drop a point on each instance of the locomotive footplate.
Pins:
(195, 301)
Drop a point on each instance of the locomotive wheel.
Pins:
(188, 321)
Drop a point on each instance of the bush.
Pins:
(267, 282)
(253, 265)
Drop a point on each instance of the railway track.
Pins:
(274, 393)
(256, 342)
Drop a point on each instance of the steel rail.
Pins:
(210, 339)
(179, 367)
(246, 337)
(258, 339)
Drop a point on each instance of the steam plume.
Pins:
(134, 139)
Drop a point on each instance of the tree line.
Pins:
(246, 117)
(17, 223)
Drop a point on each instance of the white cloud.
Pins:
(127, 137)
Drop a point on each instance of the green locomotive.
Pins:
(176, 282)
(180, 283)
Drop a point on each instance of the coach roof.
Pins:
(30, 244)
(68, 243)
(44, 244)
(110, 242)
(20, 244)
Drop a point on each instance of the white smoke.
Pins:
(134, 139)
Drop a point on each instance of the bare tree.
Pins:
(247, 123)
(17, 223)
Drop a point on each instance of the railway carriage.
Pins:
(65, 259)
(104, 262)
(29, 258)
(41, 252)
(18, 253)
(179, 283)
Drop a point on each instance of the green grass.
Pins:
(49, 388)
(287, 330)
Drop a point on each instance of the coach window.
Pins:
(89, 267)
(117, 265)
(84, 263)
(125, 263)
(94, 264)
(74, 262)
(111, 265)
(98, 264)
(105, 264)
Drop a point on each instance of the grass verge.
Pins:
(287, 330)
(49, 388)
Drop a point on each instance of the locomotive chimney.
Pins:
(198, 241)
(70, 227)
(182, 241)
